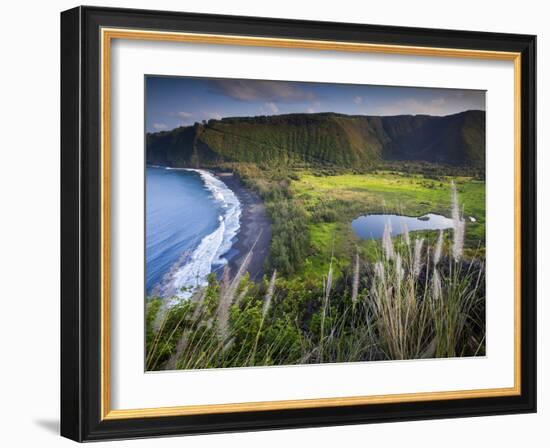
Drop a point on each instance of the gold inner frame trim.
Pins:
(107, 35)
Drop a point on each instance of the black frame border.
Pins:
(81, 223)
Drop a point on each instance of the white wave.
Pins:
(193, 271)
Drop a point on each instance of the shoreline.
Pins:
(254, 231)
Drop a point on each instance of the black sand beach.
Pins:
(255, 231)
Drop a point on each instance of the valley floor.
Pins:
(333, 202)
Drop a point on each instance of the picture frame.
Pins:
(87, 34)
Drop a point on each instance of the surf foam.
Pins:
(193, 270)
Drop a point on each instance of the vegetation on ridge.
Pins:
(324, 139)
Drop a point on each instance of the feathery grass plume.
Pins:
(228, 345)
(327, 287)
(160, 318)
(265, 310)
(406, 235)
(241, 271)
(379, 270)
(153, 359)
(269, 293)
(225, 302)
(227, 292)
(329, 282)
(387, 242)
(458, 224)
(158, 329)
(417, 258)
(242, 295)
(455, 209)
(355, 283)
(458, 240)
(225, 282)
(399, 271)
(172, 362)
(198, 299)
(436, 285)
(438, 248)
(226, 298)
(378, 286)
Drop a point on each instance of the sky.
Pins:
(179, 101)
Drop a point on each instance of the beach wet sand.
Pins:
(255, 230)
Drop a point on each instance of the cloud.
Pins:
(183, 115)
(358, 100)
(209, 115)
(269, 91)
(269, 108)
(272, 107)
(475, 96)
(314, 107)
(188, 118)
(184, 118)
(159, 126)
(413, 106)
(441, 104)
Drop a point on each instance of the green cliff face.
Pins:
(324, 139)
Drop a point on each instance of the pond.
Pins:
(372, 226)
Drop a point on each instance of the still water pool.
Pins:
(372, 226)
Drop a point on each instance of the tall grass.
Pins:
(418, 298)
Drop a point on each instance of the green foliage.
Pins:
(161, 342)
(298, 330)
(411, 301)
(327, 140)
(290, 241)
(151, 311)
(316, 173)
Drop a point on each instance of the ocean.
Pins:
(192, 219)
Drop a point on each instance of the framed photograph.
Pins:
(276, 224)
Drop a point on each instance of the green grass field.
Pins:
(334, 201)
